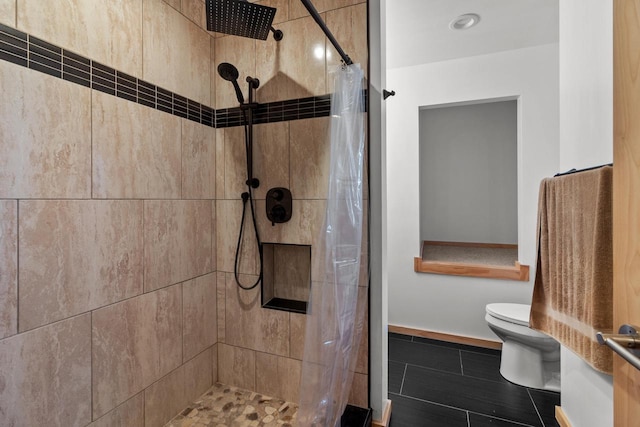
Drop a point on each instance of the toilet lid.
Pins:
(514, 313)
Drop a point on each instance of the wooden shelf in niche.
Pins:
(487, 260)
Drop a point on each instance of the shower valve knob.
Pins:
(279, 214)
(279, 205)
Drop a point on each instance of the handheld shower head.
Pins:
(230, 73)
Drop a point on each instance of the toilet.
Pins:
(529, 358)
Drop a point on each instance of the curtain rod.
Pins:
(571, 171)
(316, 16)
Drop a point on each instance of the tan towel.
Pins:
(573, 291)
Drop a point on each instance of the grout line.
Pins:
(142, 49)
(144, 248)
(182, 321)
(404, 374)
(517, 423)
(289, 153)
(461, 364)
(91, 358)
(126, 199)
(17, 212)
(108, 305)
(91, 142)
(535, 407)
(428, 401)
(446, 372)
(430, 369)
(182, 123)
(144, 405)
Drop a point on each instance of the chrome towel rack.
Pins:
(626, 343)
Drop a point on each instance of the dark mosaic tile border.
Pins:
(31, 52)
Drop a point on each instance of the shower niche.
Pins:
(286, 281)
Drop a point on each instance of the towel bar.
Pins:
(626, 343)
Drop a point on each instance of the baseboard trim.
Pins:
(496, 345)
(561, 417)
(386, 416)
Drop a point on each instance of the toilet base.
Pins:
(527, 366)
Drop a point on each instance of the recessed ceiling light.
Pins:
(464, 22)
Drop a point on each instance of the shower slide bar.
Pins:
(316, 16)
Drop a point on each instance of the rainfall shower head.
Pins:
(240, 18)
(230, 73)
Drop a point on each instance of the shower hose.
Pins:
(247, 197)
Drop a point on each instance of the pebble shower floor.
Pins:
(226, 406)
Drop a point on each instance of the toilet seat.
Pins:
(509, 312)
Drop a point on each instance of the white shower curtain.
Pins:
(335, 316)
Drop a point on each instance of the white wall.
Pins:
(451, 304)
(378, 297)
(586, 83)
(468, 174)
(586, 139)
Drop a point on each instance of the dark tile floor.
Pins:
(435, 383)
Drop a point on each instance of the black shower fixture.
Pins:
(230, 73)
(241, 18)
(279, 205)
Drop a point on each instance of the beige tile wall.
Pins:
(195, 11)
(198, 161)
(248, 325)
(136, 150)
(241, 52)
(130, 414)
(127, 217)
(228, 215)
(295, 66)
(165, 398)
(349, 25)
(237, 366)
(309, 180)
(262, 347)
(297, 9)
(270, 159)
(9, 268)
(178, 235)
(45, 150)
(199, 315)
(292, 272)
(8, 12)
(135, 343)
(46, 375)
(77, 256)
(109, 32)
(278, 376)
(107, 223)
(171, 38)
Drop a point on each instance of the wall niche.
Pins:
(286, 281)
(469, 189)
